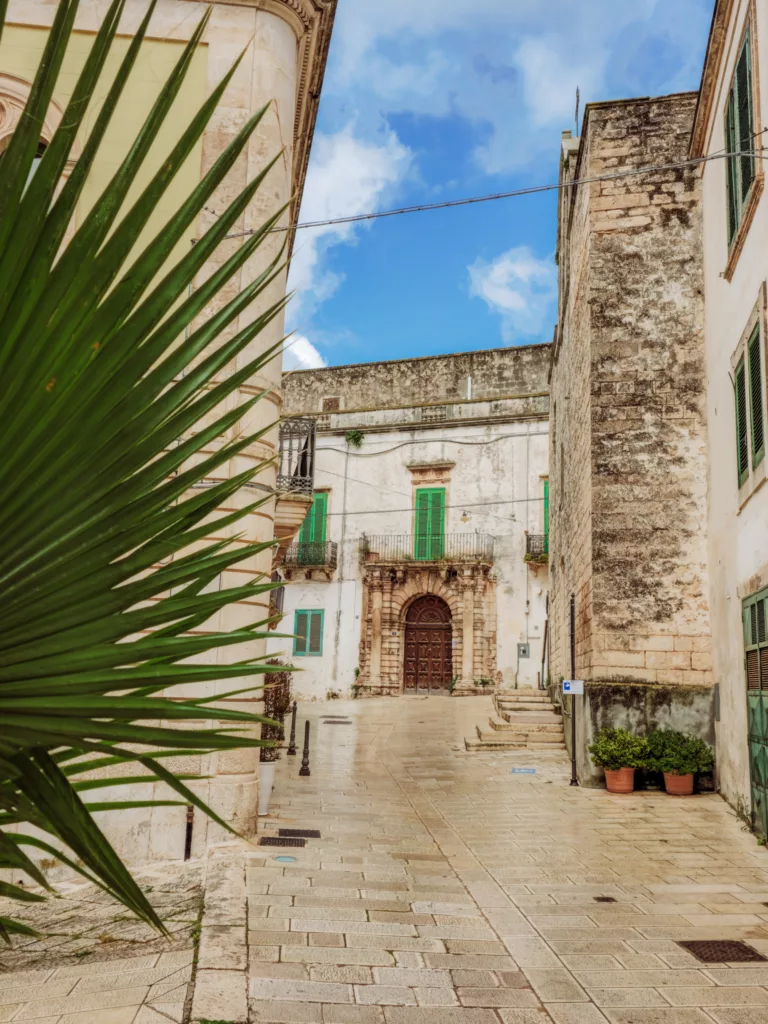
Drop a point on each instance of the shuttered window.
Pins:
(308, 629)
(742, 423)
(756, 415)
(739, 138)
(756, 640)
(429, 539)
(314, 526)
(546, 508)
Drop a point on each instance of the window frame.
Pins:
(753, 339)
(751, 622)
(309, 613)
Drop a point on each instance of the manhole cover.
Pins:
(721, 952)
(285, 860)
(305, 833)
(281, 841)
(605, 899)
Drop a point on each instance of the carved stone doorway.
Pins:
(428, 647)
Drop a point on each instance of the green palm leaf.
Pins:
(114, 406)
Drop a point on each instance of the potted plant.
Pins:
(680, 757)
(619, 752)
(277, 701)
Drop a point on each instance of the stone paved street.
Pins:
(446, 890)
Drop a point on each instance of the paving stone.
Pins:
(438, 1015)
(717, 997)
(658, 1015)
(324, 955)
(283, 938)
(478, 979)
(574, 1013)
(87, 1001)
(340, 1013)
(384, 995)
(555, 985)
(497, 997)
(299, 991)
(220, 995)
(425, 978)
(468, 962)
(285, 1012)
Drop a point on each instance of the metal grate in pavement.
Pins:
(720, 951)
(337, 721)
(605, 899)
(299, 833)
(281, 841)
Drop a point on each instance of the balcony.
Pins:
(537, 548)
(324, 555)
(295, 480)
(452, 547)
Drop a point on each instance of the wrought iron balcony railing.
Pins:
(312, 555)
(537, 547)
(451, 547)
(296, 471)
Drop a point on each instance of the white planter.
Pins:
(266, 782)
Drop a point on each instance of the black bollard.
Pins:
(304, 770)
(292, 745)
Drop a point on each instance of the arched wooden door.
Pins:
(428, 648)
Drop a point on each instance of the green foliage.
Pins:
(116, 404)
(677, 753)
(617, 748)
(453, 684)
(354, 438)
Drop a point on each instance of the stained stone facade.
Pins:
(628, 448)
(472, 427)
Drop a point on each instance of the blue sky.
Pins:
(426, 100)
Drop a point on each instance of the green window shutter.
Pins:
(301, 629)
(732, 167)
(757, 419)
(755, 610)
(546, 508)
(742, 432)
(320, 506)
(421, 527)
(315, 645)
(437, 523)
(744, 109)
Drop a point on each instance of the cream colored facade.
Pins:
(286, 45)
(735, 277)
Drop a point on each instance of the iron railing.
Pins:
(296, 470)
(451, 547)
(537, 546)
(308, 555)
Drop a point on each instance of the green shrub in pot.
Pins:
(677, 753)
(614, 749)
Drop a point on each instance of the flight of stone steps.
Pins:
(523, 720)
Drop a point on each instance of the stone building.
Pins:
(628, 450)
(730, 116)
(422, 565)
(287, 43)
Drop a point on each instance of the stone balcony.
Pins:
(311, 560)
(407, 549)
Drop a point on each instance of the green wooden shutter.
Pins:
(743, 82)
(314, 526)
(301, 629)
(421, 526)
(756, 398)
(315, 646)
(756, 640)
(742, 431)
(437, 523)
(731, 167)
(546, 508)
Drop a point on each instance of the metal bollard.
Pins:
(304, 770)
(292, 744)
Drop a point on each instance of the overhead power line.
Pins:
(513, 194)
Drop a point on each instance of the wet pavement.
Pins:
(450, 888)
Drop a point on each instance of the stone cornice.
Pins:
(718, 35)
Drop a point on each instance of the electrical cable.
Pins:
(432, 440)
(513, 194)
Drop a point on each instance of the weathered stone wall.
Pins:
(494, 373)
(628, 411)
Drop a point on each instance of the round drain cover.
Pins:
(285, 860)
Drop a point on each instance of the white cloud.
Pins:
(521, 288)
(347, 176)
(301, 354)
(551, 77)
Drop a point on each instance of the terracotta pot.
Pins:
(678, 785)
(620, 781)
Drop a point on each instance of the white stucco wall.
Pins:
(496, 487)
(738, 519)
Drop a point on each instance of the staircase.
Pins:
(523, 720)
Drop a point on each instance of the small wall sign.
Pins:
(573, 687)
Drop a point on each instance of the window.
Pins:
(429, 539)
(308, 627)
(312, 534)
(755, 611)
(546, 508)
(750, 412)
(739, 138)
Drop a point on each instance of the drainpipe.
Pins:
(340, 584)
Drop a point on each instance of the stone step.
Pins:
(524, 705)
(520, 738)
(540, 714)
(524, 695)
(502, 743)
(544, 728)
